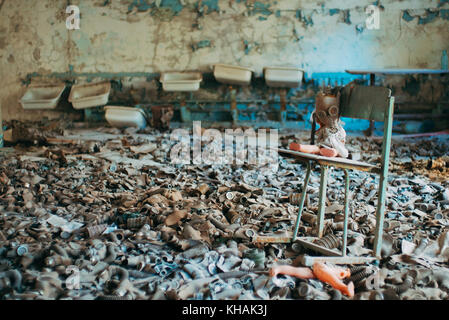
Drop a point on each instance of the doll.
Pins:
(331, 136)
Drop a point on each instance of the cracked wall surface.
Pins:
(174, 35)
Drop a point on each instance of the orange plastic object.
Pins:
(302, 273)
(295, 146)
(306, 148)
(333, 276)
(328, 152)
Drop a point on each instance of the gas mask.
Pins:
(327, 108)
(327, 112)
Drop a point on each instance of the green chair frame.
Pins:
(360, 102)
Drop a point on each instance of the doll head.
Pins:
(327, 109)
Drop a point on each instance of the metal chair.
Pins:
(360, 102)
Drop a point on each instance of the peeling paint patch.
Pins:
(247, 47)
(174, 6)
(261, 8)
(212, 5)
(359, 28)
(201, 44)
(347, 16)
(334, 11)
(305, 19)
(406, 16)
(297, 36)
(255, 8)
(444, 13)
(442, 2)
(250, 46)
(141, 5)
(378, 4)
(428, 18)
(37, 54)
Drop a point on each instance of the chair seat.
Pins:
(335, 162)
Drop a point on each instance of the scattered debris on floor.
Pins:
(107, 208)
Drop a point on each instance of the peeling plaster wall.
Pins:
(33, 37)
(174, 35)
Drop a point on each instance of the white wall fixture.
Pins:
(42, 97)
(286, 77)
(90, 95)
(123, 117)
(232, 74)
(181, 81)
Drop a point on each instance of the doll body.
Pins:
(331, 137)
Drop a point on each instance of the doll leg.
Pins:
(306, 148)
(302, 273)
(328, 152)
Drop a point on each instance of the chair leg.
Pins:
(303, 197)
(380, 216)
(322, 200)
(345, 229)
(312, 137)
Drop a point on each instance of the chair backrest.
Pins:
(364, 102)
(373, 103)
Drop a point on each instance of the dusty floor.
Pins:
(104, 215)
